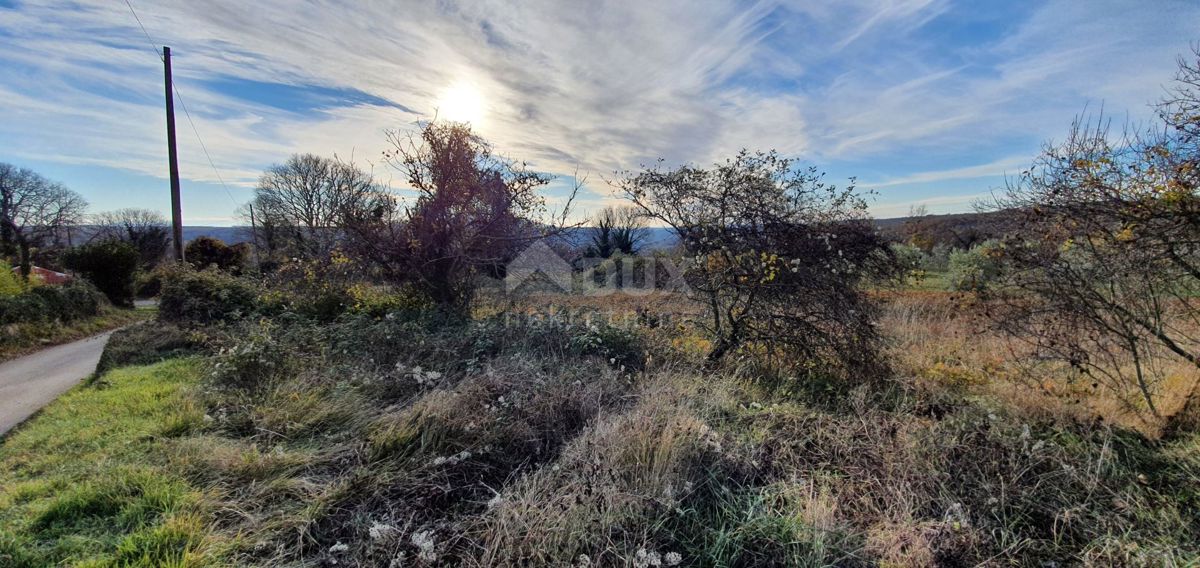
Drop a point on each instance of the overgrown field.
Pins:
(405, 438)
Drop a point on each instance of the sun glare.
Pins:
(461, 102)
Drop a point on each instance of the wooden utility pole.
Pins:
(173, 157)
(254, 236)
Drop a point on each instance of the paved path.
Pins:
(33, 381)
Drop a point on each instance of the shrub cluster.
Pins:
(110, 265)
(976, 269)
(10, 283)
(205, 296)
(148, 284)
(42, 304)
(205, 252)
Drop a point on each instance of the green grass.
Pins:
(21, 339)
(931, 281)
(87, 482)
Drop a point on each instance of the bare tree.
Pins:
(776, 254)
(302, 204)
(145, 229)
(473, 212)
(1105, 272)
(34, 212)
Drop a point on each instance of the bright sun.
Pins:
(461, 103)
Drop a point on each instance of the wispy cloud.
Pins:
(989, 170)
(933, 205)
(910, 91)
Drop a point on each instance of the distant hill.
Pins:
(230, 235)
(960, 230)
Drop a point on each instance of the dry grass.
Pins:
(942, 339)
(593, 501)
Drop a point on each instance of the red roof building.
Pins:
(46, 276)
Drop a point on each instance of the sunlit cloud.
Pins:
(905, 93)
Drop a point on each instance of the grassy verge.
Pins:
(87, 482)
(21, 339)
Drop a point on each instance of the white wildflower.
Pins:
(956, 516)
(673, 558)
(380, 531)
(646, 558)
(584, 561)
(423, 540)
(339, 548)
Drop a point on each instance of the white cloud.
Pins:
(933, 205)
(992, 169)
(601, 86)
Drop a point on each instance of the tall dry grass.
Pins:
(945, 341)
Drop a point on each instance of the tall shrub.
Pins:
(204, 296)
(978, 268)
(110, 265)
(775, 254)
(1105, 273)
(10, 283)
(474, 212)
(205, 252)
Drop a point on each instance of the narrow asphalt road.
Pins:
(33, 381)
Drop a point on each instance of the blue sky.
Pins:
(924, 101)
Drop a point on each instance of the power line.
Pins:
(182, 103)
(202, 146)
(153, 44)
